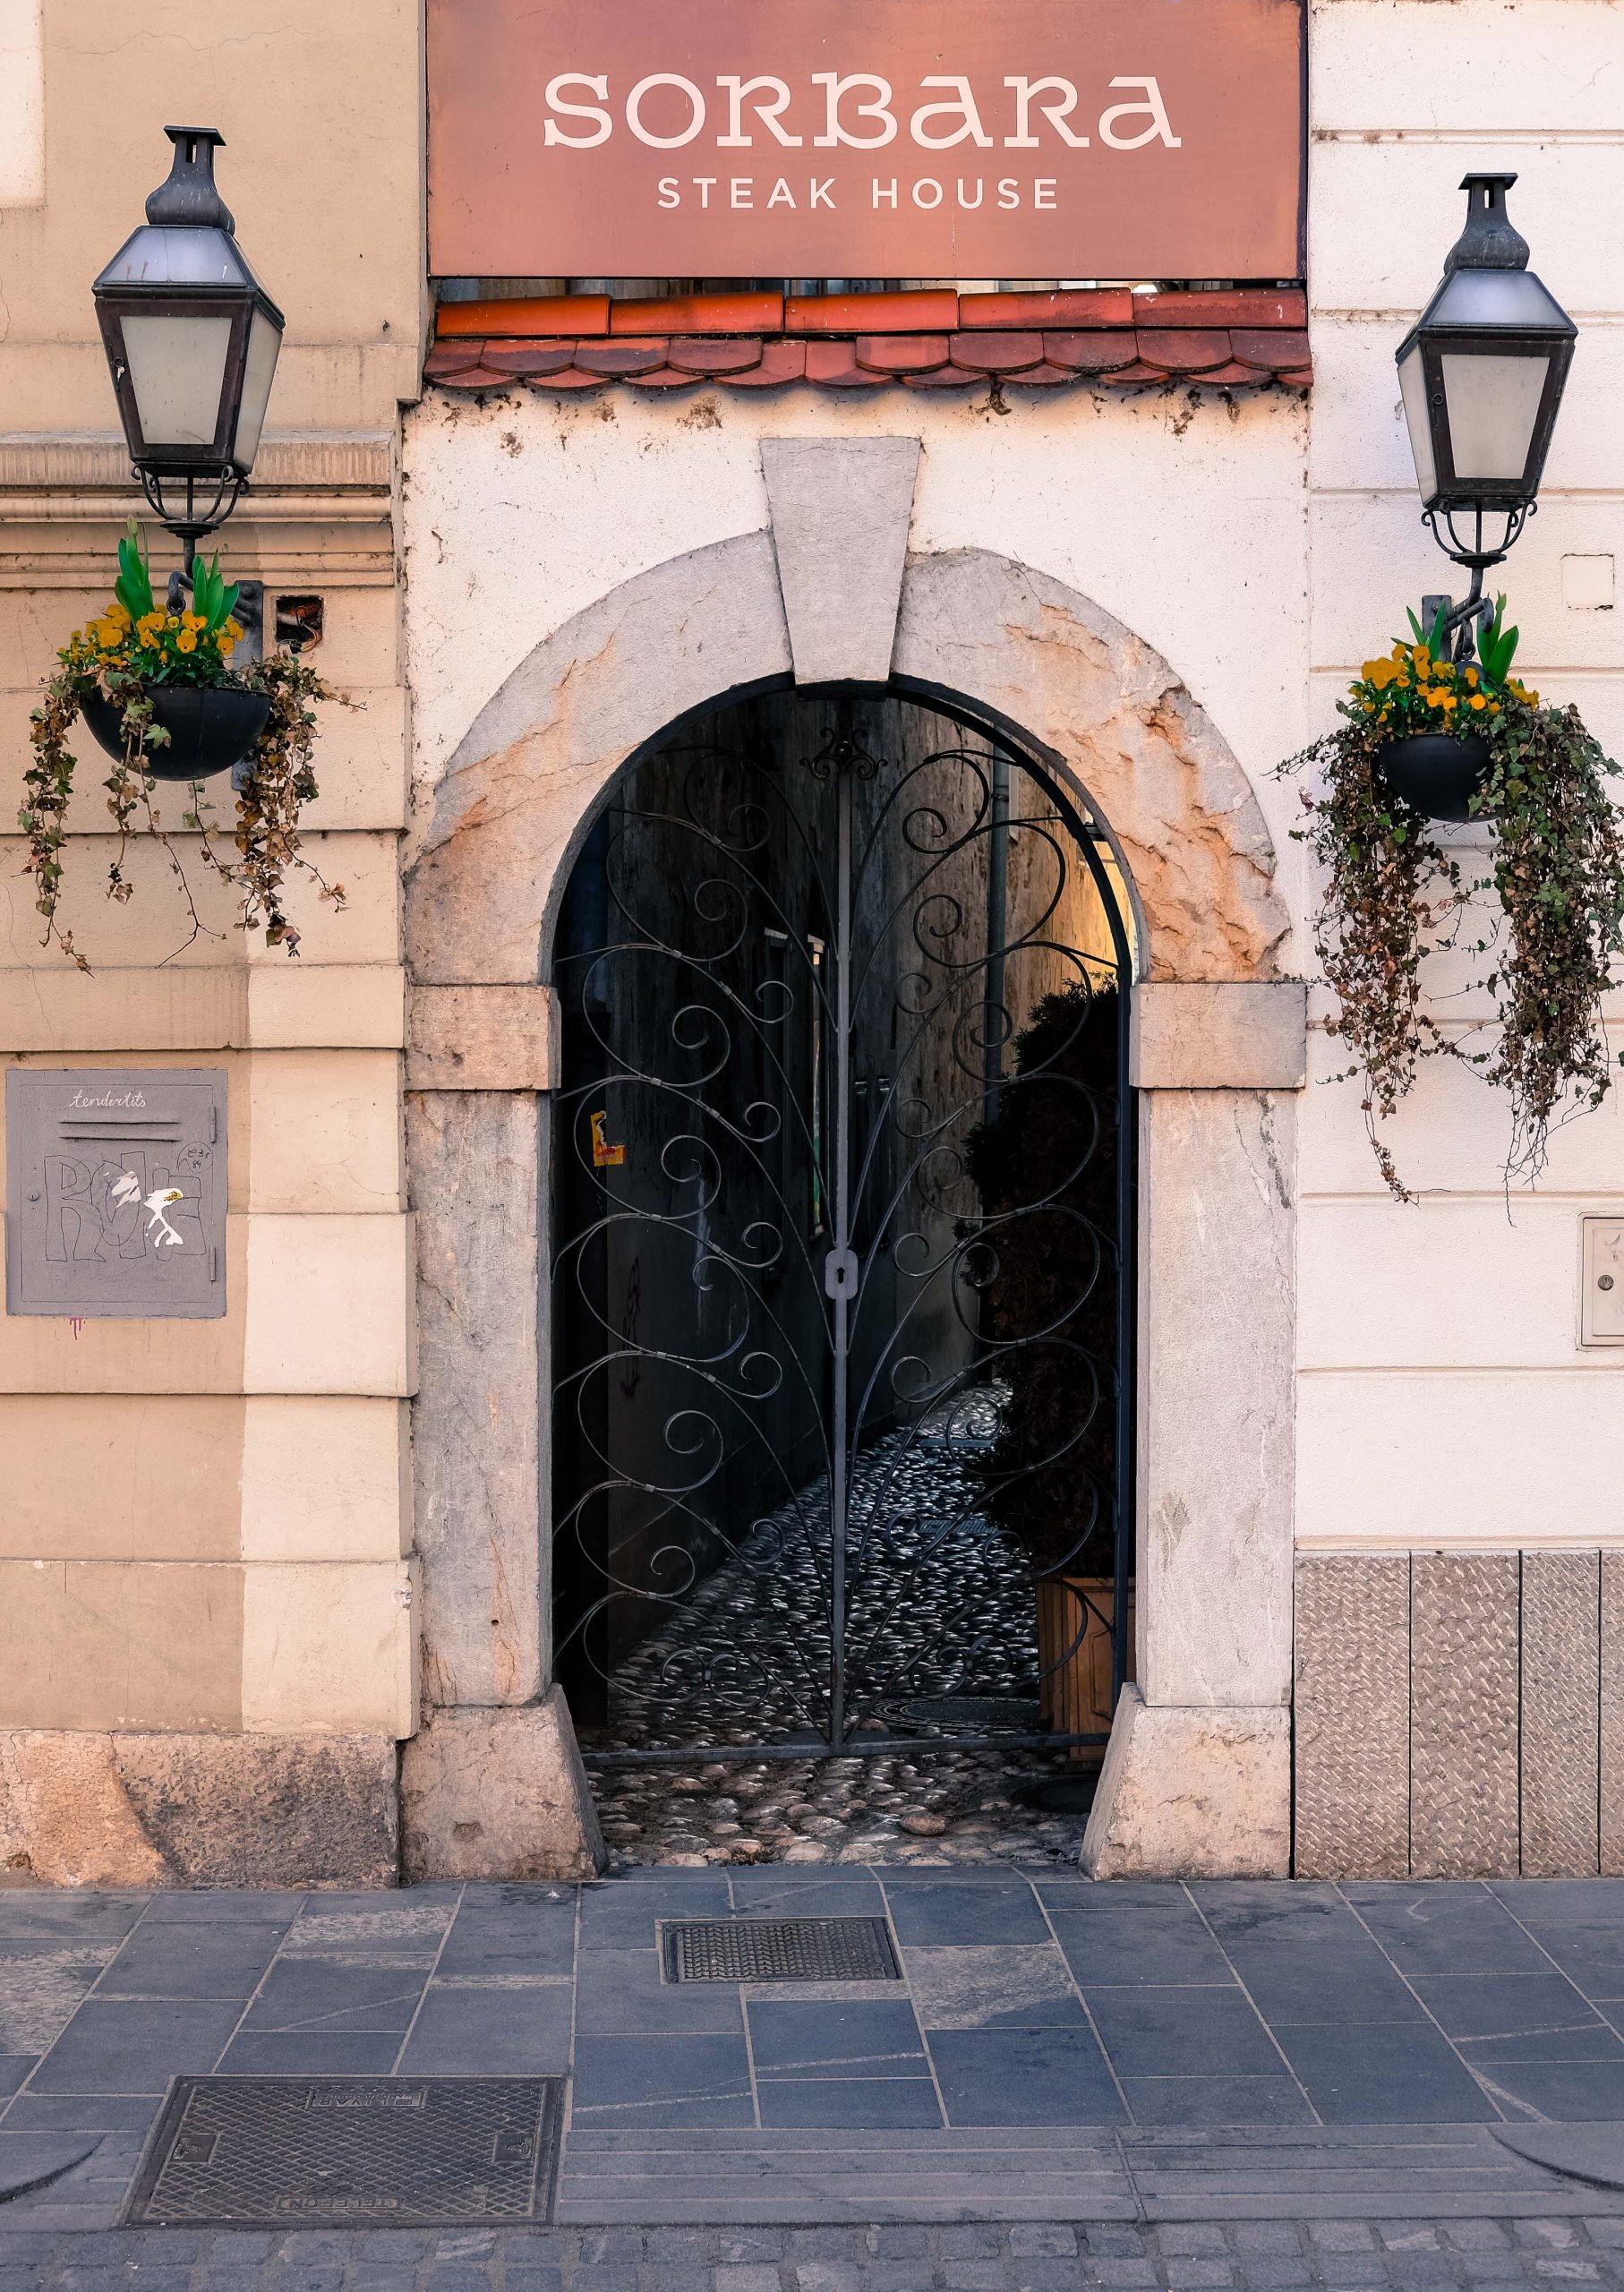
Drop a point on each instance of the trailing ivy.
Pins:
(1393, 896)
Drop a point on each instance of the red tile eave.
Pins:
(935, 338)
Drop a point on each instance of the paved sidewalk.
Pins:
(1057, 2050)
(1338, 2255)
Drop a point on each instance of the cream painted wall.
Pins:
(1265, 549)
(208, 1524)
(319, 106)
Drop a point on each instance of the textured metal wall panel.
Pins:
(115, 1185)
(1611, 1791)
(1352, 1715)
(1560, 1713)
(1463, 1687)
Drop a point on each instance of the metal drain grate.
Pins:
(777, 1949)
(337, 2152)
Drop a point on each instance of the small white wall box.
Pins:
(116, 1192)
(1602, 1280)
(1588, 584)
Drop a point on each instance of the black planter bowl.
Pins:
(211, 727)
(1437, 773)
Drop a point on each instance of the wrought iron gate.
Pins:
(843, 1198)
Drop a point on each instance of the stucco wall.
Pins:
(205, 1548)
(1264, 547)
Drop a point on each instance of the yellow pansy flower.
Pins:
(231, 630)
(118, 614)
(148, 625)
(1380, 672)
(194, 620)
(1478, 701)
(186, 642)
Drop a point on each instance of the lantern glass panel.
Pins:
(1413, 388)
(177, 374)
(264, 341)
(1493, 404)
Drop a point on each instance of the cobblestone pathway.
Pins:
(942, 1641)
(1189, 2256)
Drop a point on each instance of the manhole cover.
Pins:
(337, 2151)
(777, 1949)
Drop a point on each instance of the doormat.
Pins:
(340, 2152)
(777, 1949)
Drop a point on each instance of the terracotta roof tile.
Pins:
(730, 354)
(1090, 354)
(832, 365)
(1225, 306)
(901, 354)
(1065, 306)
(521, 359)
(1269, 348)
(620, 358)
(449, 361)
(547, 315)
(583, 341)
(1133, 376)
(943, 378)
(700, 315)
(923, 310)
(1183, 350)
(571, 378)
(996, 353)
(781, 361)
(1299, 377)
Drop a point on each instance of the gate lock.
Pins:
(840, 1273)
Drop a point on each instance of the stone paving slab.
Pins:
(1055, 2049)
(1345, 2254)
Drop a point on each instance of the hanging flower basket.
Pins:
(156, 690)
(210, 727)
(1426, 738)
(1442, 775)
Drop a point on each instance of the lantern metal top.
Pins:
(1486, 282)
(185, 244)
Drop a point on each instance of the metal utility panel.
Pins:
(116, 1192)
(1602, 1281)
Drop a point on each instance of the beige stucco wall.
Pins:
(207, 1524)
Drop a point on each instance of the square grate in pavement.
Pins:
(777, 1949)
(340, 2152)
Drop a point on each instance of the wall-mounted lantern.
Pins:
(1480, 374)
(192, 339)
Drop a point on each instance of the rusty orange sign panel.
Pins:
(866, 139)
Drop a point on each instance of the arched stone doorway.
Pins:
(1198, 1774)
(842, 1230)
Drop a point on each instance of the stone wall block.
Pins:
(841, 509)
(1352, 1715)
(1562, 1686)
(1611, 1790)
(1192, 1035)
(1192, 1794)
(79, 1809)
(1216, 1397)
(1464, 1685)
(498, 1795)
(474, 1170)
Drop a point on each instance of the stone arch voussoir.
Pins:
(1034, 655)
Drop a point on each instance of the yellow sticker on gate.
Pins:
(604, 1157)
